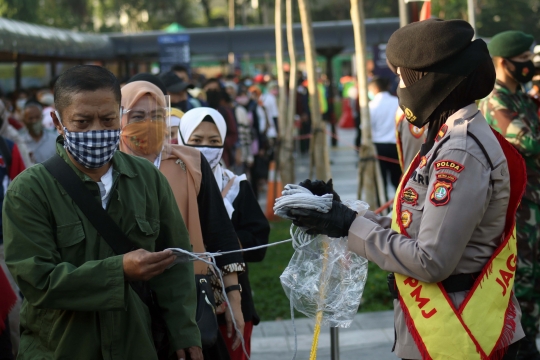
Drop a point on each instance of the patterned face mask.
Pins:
(92, 149)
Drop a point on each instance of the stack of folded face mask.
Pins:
(298, 197)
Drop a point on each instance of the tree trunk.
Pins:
(206, 5)
(370, 179)
(318, 145)
(287, 126)
(282, 97)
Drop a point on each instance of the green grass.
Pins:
(270, 300)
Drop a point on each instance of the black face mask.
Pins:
(182, 105)
(419, 100)
(523, 72)
(213, 97)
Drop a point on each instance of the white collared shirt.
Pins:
(382, 111)
(105, 187)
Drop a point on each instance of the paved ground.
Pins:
(371, 334)
(369, 337)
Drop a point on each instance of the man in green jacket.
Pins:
(78, 302)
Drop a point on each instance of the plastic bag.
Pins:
(323, 275)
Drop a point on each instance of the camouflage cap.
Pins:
(510, 43)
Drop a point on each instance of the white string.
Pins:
(299, 239)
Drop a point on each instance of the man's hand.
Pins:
(235, 298)
(195, 353)
(141, 265)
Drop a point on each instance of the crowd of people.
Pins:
(103, 177)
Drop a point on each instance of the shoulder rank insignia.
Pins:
(450, 165)
(406, 219)
(442, 132)
(423, 162)
(416, 131)
(410, 196)
(441, 191)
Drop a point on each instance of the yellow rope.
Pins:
(318, 321)
(316, 333)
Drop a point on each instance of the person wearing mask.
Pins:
(46, 98)
(450, 242)
(8, 132)
(265, 135)
(382, 111)
(195, 191)
(205, 129)
(510, 111)
(245, 131)
(216, 98)
(183, 73)
(40, 142)
(79, 298)
(22, 98)
(177, 89)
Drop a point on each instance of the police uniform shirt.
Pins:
(453, 208)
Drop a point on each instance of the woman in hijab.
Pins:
(205, 129)
(195, 191)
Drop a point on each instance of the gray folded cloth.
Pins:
(298, 197)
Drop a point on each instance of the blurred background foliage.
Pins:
(492, 16)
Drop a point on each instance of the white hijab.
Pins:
(190, 121)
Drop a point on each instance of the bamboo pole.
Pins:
(282, 100)
(287, 141)
(370, 179)
(318, 145)
(471, 14)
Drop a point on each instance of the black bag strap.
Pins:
(6, 153)
(94, 212)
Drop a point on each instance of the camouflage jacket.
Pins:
(523, 131)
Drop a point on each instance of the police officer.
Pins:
(449, 241)
(510, 111)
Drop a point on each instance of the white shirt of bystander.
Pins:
(382, 111)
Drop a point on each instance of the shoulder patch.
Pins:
(406, 219)
(442, 132)
(445, 176)
(415, 131)
(450, 165)
(410, 196)
(441, 192)
(423, 162)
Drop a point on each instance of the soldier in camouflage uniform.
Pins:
(509, 110)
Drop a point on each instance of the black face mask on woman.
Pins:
(419, 100)
(522, 72)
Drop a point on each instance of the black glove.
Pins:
(335, 223)
(319, 188)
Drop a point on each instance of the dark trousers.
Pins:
(389, 169)
(6, 351)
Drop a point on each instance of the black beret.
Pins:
(425, 43)
(510, 43)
